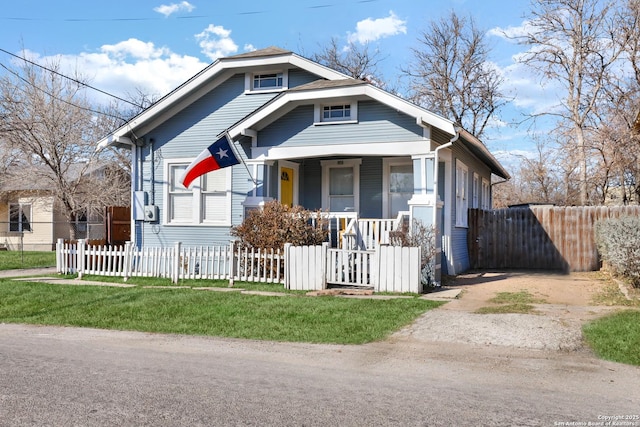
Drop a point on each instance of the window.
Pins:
(336, 112)
(268, 81)
(19, 217)
(475, 204)
(341, 185)
(397, 181)
(462, 194)
(486, 195)
(207, 201)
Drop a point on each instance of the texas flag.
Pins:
(217, 156)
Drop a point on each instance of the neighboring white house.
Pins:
(309, 136)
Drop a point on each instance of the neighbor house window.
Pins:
(462, 194)
(19, 217)
(475, 204)
(268, 81)
(206, 201)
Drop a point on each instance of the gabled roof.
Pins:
(203, 82)
(330, 85)
(344, 88)
(354, 88)
(481, 151)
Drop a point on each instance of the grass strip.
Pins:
(520, 308)
(11, 260)
(223, 314)
(616, 337)
(511, 302)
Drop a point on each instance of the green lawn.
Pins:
(616, 337)
(10, 260)
(224, 314)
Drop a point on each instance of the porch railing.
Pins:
(367, 234)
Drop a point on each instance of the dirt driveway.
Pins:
(555, 324)
(567, 296)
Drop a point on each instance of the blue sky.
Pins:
(156, 45)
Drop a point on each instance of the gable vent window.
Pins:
(336, 113)
(268, 81)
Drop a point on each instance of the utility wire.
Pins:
(60, 99)
(69, 78)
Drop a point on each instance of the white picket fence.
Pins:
(176, 263)
(386, 269)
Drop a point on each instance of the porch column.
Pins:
(259, 192)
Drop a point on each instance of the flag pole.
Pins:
(235, 153)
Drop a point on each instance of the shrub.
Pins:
(276, 224)
(618, 241)
(423, 237)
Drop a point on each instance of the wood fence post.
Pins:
(80, 254)
(126, 267)
(176, 263)
(287, 265)
(232, 263)
(324, 262)
(59, 256)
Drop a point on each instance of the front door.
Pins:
(288, 187)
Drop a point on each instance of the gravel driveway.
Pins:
(557, 324)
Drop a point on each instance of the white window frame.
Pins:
(462, 194)
(485, 202)
(475, 201)
(249, 82)
(318, 113)
(386, 179)
(340, 163)
(196, 193)
(21, 209)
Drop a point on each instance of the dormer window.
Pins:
(336, 113)
(268, 81)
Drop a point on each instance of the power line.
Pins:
(60, 99)
(70, 78)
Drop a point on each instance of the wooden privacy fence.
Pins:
(537, 237)
(177, 262)
(387, 269)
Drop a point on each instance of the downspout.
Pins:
(436, 173)
(457, 130)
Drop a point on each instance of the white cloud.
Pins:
(373, 29)
(512, 33)
(170, 9)
(216, 42)
(128, 66)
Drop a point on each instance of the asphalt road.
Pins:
(84, 377)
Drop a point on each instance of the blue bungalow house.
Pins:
(308, 136)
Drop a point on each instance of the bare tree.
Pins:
(357, 61)
(452, 75)
(574, 44)
(48, 119)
